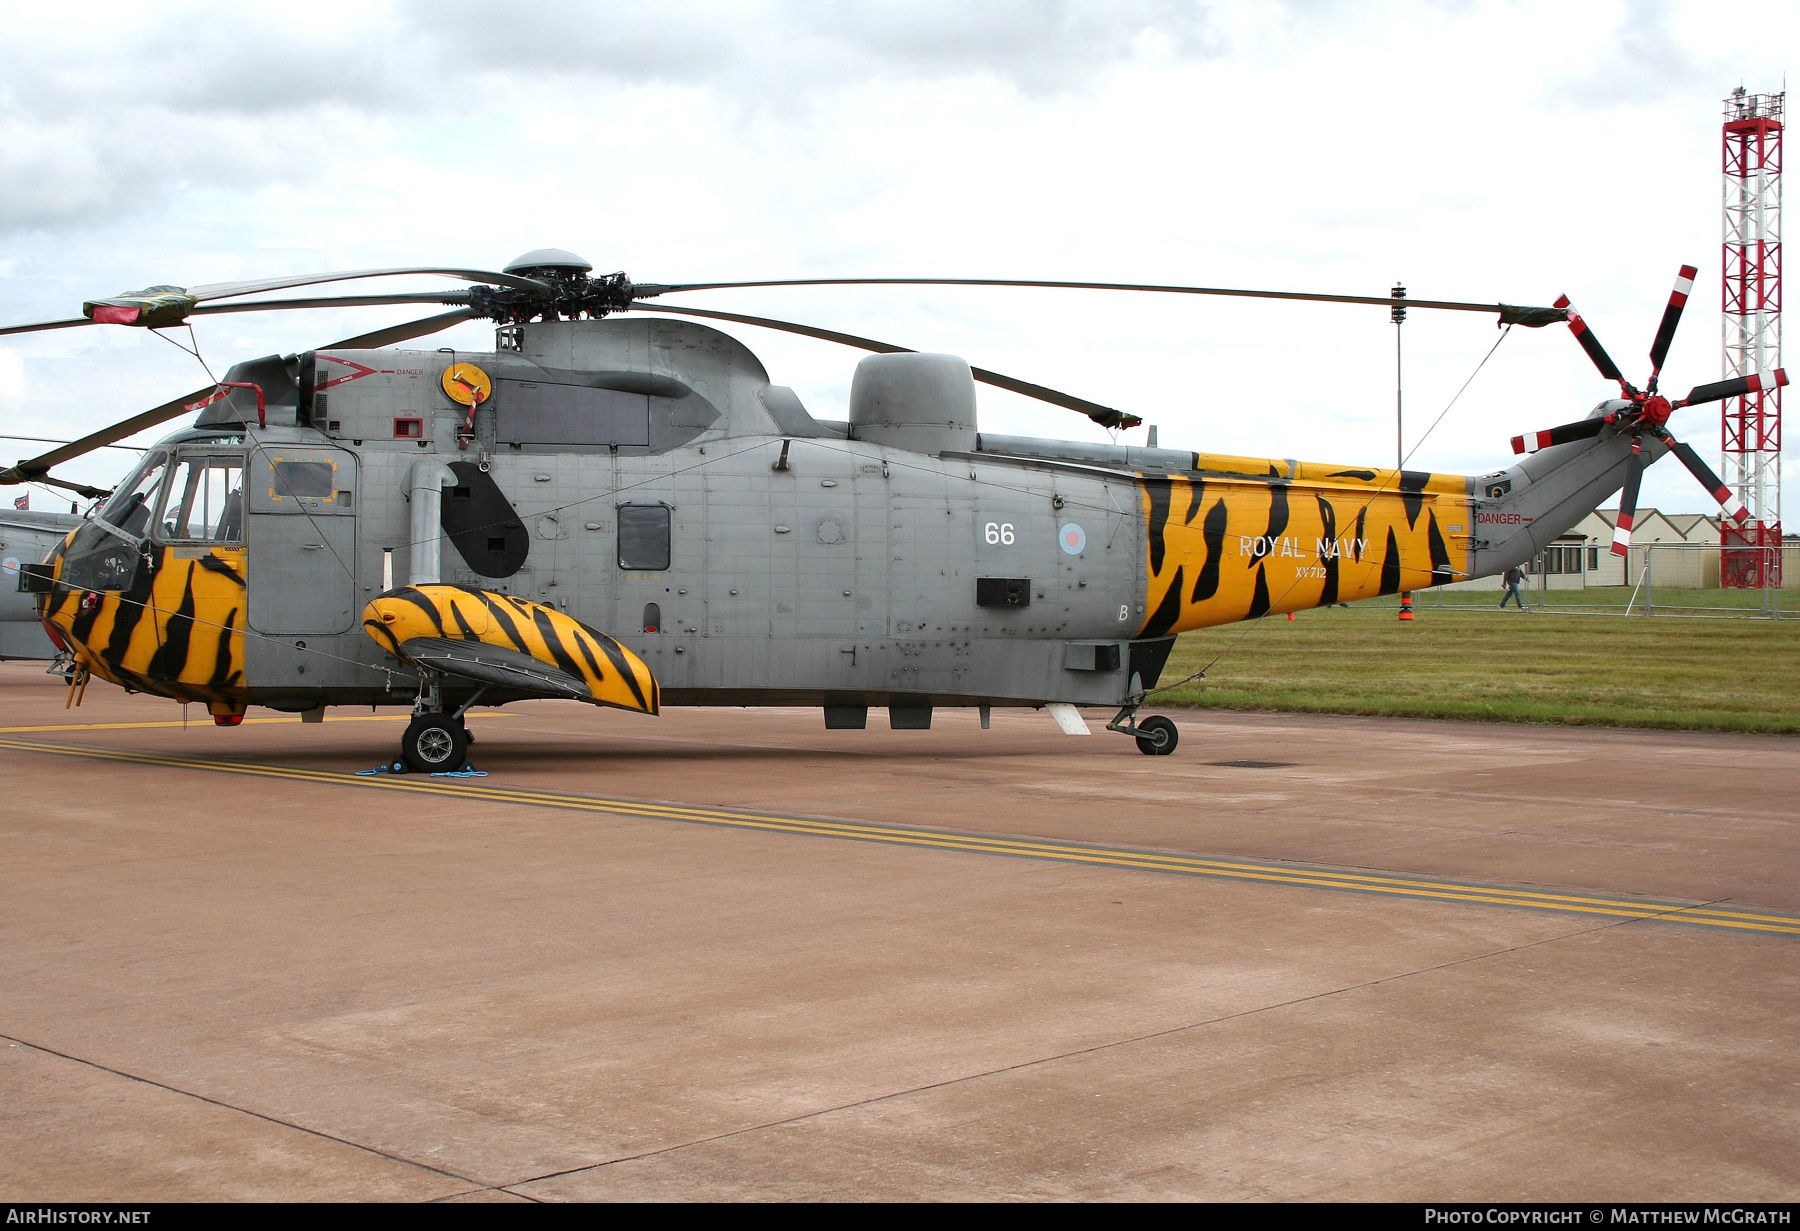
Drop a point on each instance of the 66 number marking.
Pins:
(998, 532)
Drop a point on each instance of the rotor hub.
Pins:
(569, 292)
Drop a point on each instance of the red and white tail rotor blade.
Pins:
(1531, 442)
(1710, 481)
(1591, 345)
(1665, 333)
(1735, 387)
(1628, 498)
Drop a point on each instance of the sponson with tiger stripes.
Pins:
(610, 674)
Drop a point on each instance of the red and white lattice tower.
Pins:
(1752, 304)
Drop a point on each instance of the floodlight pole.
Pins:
(1398, 314)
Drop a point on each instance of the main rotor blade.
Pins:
(332, 301)
(225, 290)
(80, 489)
(1710, 481)
(51, 440)
(272, 305)
(1591, 345)
(1105, 416)
(73, 322)
(1735, 387)
(1511, 314)
(1557, 435)
(32, 469)
(1665, 333)
(1628, 498)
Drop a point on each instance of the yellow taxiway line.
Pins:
(1689, 913)
(201, 722)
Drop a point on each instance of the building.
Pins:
(1582, 558)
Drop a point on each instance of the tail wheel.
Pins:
(1158, 736)
(434, 743)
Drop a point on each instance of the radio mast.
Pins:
(1752, 335)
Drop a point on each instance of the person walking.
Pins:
(1512, 579)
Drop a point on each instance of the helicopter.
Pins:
(26, 535)
(616, 505)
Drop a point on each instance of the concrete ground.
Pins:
(1412, 961)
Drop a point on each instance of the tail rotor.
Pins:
(1646, 412)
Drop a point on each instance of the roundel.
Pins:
(1072, 538)
(9, 566)
(466, 384)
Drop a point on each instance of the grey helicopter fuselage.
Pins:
(644, 478)
(749, 554)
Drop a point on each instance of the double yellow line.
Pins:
(1059, 852)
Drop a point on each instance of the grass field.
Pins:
(1467, 659)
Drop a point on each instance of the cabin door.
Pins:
(302, 540)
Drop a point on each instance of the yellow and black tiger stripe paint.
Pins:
(1236, 545)
(613, 674)
(176, 631)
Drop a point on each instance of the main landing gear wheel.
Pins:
(434, 743)
(1159, 736)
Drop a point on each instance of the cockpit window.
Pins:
(205, 502)
(129, 509)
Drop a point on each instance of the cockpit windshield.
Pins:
(129, 509)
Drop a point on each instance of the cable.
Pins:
(1248, 627)
(246, 631)
(194, 350)
(48, 491)
(827, 443)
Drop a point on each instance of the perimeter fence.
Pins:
(1660, 579)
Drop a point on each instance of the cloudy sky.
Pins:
(1474, 150)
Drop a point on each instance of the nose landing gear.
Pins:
(436, 741)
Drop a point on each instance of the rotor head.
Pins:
(555, 262)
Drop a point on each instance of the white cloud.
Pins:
(1476, 150)
(12, 374)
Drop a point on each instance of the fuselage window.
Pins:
(308, 480)
(644, 537)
